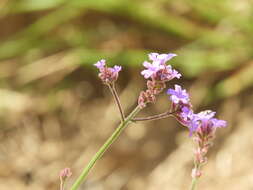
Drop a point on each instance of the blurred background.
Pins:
(55, 113)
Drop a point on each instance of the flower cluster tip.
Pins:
(107, 74)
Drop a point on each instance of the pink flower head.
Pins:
(65, 173)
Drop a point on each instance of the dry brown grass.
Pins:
(44, 131)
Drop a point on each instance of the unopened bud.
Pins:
(65, 173)
(196, 173)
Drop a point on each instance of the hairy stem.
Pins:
(103, 148)
(154, 117)
(117, 100)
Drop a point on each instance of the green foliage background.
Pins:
(209, 36)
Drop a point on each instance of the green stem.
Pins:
(194, 182)
(195, 179)
(105, 146)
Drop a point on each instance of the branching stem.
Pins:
(194, 182)
(154, 117)
(104, 147)
(117, 100)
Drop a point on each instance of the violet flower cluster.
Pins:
(202, 125)
(157, 73)
(107, 74)
(203, 122)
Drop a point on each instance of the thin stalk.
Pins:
(154, 117)
(194, 182)
(105, 146)
(117, 100)
(62, 185)
(195, 179)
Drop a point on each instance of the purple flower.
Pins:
(100, 64)
(161, 58)
(159, 73)
(175, 74)
(203, 122)
(158, 70)
(219, 123)
(117, 68)
(107, 74)
(187, 118)
(178, 95)
(206, 123)
(208, 114)
(151, 69)
(182, 107)
(187, 113)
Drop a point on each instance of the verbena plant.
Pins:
(201, 126)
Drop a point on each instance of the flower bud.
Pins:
(65, 173)
(107, 74)
(196, 173)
